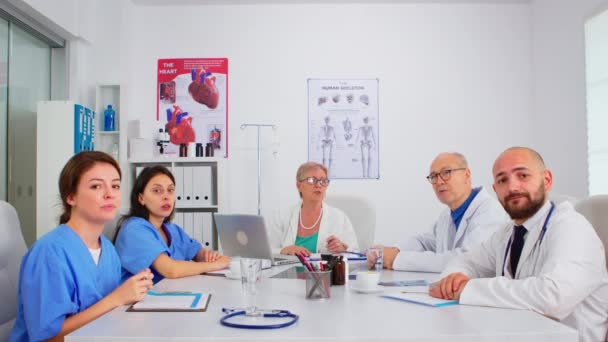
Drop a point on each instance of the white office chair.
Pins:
(12, 248)
(595, 209)
(559, 198)
(362, 215)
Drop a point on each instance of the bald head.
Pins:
(530, 155)
(521, 182)
(458, 159)
(451, 179)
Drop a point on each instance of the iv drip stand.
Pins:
(258, 126)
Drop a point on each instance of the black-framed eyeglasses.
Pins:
(444, 174)
(313, 181)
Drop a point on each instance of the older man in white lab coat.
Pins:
(549, 260)
(471, 217)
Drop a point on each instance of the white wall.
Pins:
(69, 18)
(452, 77)
(560, 126)
(511, 73)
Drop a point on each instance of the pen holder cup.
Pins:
(317, 284)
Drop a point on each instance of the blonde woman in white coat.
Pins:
(548, 260)
(312, 226)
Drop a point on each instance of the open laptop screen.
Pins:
(243, 235)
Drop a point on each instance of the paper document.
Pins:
(404, 283)
(415, 289)
(172, 301)
(421, 298)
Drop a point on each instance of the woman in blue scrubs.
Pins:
(71, 275)
(146, 237)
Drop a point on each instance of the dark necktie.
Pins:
(516, 247)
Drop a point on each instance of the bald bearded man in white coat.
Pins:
(549, 260)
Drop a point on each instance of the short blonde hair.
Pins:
(308, 166)
(311, 165)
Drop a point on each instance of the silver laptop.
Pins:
(246, 236)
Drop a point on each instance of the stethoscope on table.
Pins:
(538, 241)
(233, 312)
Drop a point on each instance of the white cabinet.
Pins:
(107, 141)
(62, 129)
(197, 193)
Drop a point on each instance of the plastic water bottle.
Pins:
(108, 116)
(114, 151)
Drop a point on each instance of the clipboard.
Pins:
(172, 301)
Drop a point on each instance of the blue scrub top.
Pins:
(59, 278)
(139, 244)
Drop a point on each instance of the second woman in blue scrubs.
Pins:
(146, 237)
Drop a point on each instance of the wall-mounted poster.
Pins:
(343, 127)
(192, 102)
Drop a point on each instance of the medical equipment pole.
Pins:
(258, 126)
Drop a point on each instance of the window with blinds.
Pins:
(596, 55)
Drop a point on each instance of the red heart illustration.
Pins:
(179, 127)
(203, 89)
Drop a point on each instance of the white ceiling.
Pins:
(253, 2)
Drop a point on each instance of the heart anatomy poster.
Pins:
(343, 126)
(192, 102)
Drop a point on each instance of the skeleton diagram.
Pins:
(348, 129)
(365, 136)
(327, 140)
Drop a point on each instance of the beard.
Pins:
(528, 210)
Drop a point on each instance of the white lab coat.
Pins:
(563, 276)
(431, 252)
(283, 228)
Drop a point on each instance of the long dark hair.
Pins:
(137, 209)
(73, 170)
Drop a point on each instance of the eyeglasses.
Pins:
(313, 181)
(444, 174)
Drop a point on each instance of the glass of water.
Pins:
(251, 276)
(375, 257)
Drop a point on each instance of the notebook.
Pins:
(246, 236)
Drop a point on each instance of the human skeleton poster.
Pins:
(343, 127)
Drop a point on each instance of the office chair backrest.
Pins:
(595, 209)
(362, 215)
(12, 248)
(559, 198)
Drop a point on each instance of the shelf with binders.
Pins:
(197, 193)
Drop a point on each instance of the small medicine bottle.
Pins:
(199, 150)
(183, 150)
(209, 150)
(338, 273)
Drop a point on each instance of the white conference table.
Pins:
(346, 316)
